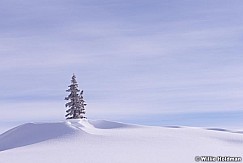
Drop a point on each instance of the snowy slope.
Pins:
(111, 142)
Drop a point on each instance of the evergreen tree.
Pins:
(76, 102)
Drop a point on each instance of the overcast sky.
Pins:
(155, 62)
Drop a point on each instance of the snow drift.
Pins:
(32, 133)
(104, 141)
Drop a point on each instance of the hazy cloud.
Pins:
(131, 57)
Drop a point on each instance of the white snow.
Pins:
(113, 142)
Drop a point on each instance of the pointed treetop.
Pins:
(73, 77)
(74, 81)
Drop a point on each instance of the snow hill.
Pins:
(82, 141)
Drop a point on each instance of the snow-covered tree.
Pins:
(76, 102)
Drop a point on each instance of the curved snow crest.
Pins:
(104, 124)
(31, 133)
(99, 124)
(86, 131)
(79, 123)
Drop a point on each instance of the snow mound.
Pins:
(224, 130)
(104, 141)
(80, 123)
(32, 133)
(219, 129)
(104, 124)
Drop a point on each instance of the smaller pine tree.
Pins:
(76, 102)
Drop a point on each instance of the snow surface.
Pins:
(112, 142)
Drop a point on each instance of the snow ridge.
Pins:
(32, 133)
(104, 141)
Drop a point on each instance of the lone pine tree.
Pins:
(76, 102)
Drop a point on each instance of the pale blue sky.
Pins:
(163, 62)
